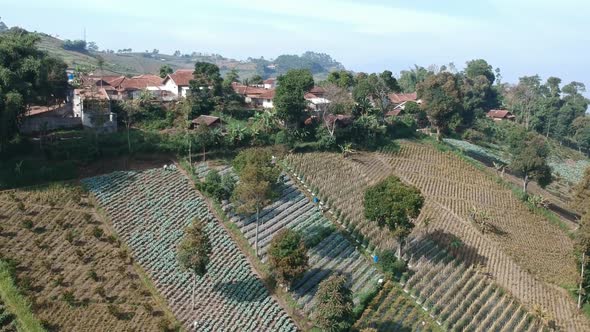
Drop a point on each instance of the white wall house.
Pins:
(178, 82)
(108, 119)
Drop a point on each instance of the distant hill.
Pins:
(136, 63)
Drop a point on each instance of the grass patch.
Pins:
(15, 301)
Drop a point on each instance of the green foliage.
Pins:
(341, 78)
(412, 77)
(393, 204)
(333, 305)
(194, 250)
(75, 45)
(287, 256)
(219, 187)
(260, 158)
(165, 70)
(29, 77)
(441, 99)
(288, 101)
(529, 157)
(15, 301)
(390, 265)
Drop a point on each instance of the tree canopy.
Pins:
(28, 76)
(289, 96)
(394, 205)
(165, 70)
(333, 305)
(529, 157)
(288, 256)
(441, 99)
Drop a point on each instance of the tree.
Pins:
(341, 103)
(165, 70)
(29, 76)
(341, 78)
(194, 251)
(333, 305)
(581, 194)
(441, 99)
(376, 88)
(176, 53)
(92, 47)
(529, 158)
(410, 78)
(256, 80)
(205, 88)
(289, 99)
(523, 99)
(581, 126)
(480, 67)
(256, 188)
(74, 45)
(131, 109)
(394, 205)
(288, 256)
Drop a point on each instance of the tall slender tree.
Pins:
(194, 252)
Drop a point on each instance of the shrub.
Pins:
(390, 265)
(27, 223)
(97, 232)
(69, 298)
(92, 275)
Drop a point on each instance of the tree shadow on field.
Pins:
(309, 282)
(455, 247)
(242, 290)
(389, 325)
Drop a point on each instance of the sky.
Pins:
(521, 37)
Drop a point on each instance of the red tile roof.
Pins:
(309, 95)
(268, 94)
(248, 90)
(271, 80)
(398, 98)
(181, 77)
(500, 114)
(136, 82)
(92, 93)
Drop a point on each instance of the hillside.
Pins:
(524, 254)
(136, 63)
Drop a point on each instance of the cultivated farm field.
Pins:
(70, 265)
(524, 255)
(150, 209)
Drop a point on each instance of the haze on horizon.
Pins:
(522, 37)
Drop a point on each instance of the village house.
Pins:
(206, 120)
(178, 82)
(93, 106)
(270, 83)
(131, 87)
(399, 101)
(500, 115)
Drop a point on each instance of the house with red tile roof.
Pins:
(501, 115)
(178, 82)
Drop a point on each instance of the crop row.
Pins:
(329, 251)
(452, 188)
(7, 321)
(150, 210)
(70, 267)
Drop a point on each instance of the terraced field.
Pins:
(70, 266)
(149, 210)
(524, 247)
(329, 251)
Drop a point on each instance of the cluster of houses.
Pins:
(95, 93)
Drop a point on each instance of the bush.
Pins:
(390, 265)
(473, 136)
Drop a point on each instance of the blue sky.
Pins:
(522, 37)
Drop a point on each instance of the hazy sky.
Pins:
(522, 37)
